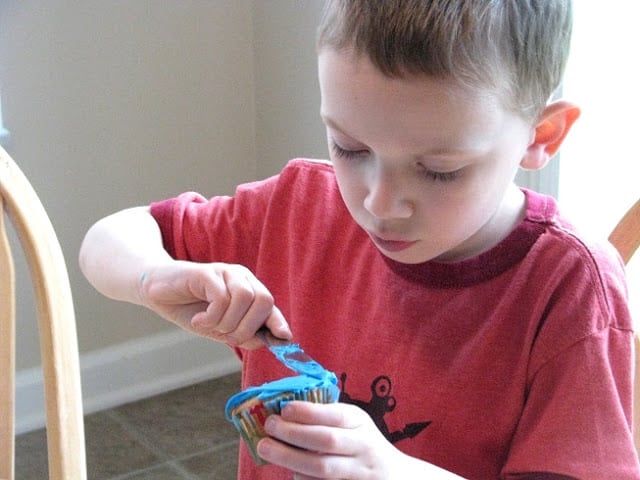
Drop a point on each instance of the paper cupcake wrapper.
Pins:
(249, 418)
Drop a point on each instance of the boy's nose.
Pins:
(386, 198)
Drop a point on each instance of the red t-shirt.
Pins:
(517, 360)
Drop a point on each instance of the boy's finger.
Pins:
(338, 415)
(278, 325)
(241, 303)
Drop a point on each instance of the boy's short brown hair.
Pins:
(518, 48)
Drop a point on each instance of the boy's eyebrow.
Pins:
(329, 122)
(435, 151)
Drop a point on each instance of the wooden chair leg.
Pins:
(7, 355)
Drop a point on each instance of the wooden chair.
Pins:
(626, 235)
(58, 340)
(626, 238)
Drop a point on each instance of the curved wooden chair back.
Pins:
(626, 238)
(626, 235)
(56, 321)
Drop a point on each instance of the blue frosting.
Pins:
(300, 384)
(313, 377)
(294, 358)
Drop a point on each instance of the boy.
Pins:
(476, 335)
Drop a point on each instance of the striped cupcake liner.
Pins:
(249, 418)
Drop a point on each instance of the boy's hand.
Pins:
(337, 441)
(329, 441)
(216, 300)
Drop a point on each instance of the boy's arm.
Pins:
(119, 249)
(123, 257)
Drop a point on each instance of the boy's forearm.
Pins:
(416, 468)
(118, 249)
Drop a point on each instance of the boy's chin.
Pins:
(406, 257)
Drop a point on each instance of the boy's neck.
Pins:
(506, 218)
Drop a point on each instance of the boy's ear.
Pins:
(554, 123)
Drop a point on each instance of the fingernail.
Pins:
(263, 448)
(286, 330)
(269, 424)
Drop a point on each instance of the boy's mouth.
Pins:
(391, 245)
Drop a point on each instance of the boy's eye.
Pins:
(433, 175)
(441, 176)
(340, 152)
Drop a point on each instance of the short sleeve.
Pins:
(219, 229)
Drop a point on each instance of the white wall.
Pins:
(288, 121)
(600, 177)
(117, 103)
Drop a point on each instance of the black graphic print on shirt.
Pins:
(381, 403)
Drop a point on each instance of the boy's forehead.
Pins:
(366, 105)
(346, 77)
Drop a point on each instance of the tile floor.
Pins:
(179, 435)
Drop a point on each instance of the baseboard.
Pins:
(128, 372)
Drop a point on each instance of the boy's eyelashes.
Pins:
(442, 176)
(434, 175)
(347, 154)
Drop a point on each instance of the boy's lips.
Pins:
(391, 245)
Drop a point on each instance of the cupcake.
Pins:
(249, 409)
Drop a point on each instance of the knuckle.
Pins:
(325, 468)
(263, 306)
(242, 293)
(231, 339)
(331, 441)
(219, 305)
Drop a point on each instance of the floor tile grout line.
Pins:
(218, 447)
(163, 456)
(202, 452)
(175, 464)
(122, 421)
(138, 436)
(183, 471)
(128, 475)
